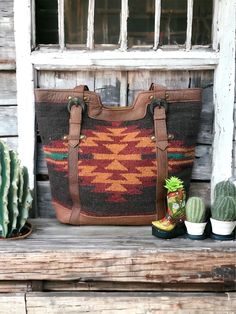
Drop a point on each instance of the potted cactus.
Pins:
(196, 216)
(223, 211)
(15, 196)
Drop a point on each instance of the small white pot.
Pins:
(222, 227)
(195, 228)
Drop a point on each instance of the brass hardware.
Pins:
(65, 137)
(151, 97)
(167, 96)
(171, 136)
(82, 137)
(86, 98)
(153, 138)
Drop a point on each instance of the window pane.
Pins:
(202, 22)
(107, 21)
(141, 22)
(173, 22)
(46, 21)
(76, 16)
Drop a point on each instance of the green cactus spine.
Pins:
(15, 196)
(225, 188)
(195, 210)
(224, 209)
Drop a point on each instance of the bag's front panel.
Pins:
(117, 168)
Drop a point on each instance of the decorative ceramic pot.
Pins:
(223, 228)
(194, 228)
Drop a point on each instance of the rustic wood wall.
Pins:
(8, 108)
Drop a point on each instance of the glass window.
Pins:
(46, 22)
(141, 22)
(173, 22)
(202, 22)
(107, 21)
(76, 16)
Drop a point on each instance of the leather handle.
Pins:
(157, 87)
(81, 88)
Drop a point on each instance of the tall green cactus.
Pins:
(225, 188)
(5, 184)
(224, 208)
(195, 210)
(15, 197)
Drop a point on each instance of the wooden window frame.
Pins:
(220, 60)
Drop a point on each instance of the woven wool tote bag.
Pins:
(108, 165)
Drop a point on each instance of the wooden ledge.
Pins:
(117, 255)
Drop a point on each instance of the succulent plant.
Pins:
(173, 184)
(195, 210)
(224, 208)
(225, 188)
(15, 196)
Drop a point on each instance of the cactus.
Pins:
(5, 184)
(15, 197)
(225, 188)
(224, 208)
(26, 201)
(173, 184)
(195, 210)
(12, 195)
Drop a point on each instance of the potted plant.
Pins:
(196, 218)
(15, 196)
(223, 211)
(172, 225)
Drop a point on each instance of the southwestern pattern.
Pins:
(117, 163)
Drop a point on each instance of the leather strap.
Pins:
(161, 152)
(161, 157)
(73, 145)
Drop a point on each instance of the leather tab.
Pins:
(162, 145)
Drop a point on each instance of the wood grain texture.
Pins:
(8, 118)
(7, 88)
(135, 303)
(12, 304)
(7, 44)
(117, 254)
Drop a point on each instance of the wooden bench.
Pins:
(65, 269)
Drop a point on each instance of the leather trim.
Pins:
(63, 215)
(162, 160)
(137, 111)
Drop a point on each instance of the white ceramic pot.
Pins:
(222, 227)
(195, 228)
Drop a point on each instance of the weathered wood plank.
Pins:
(136, 303)
(117, 254)
(7, 87)
(8, 118)
(133, 286)
(12, 142)
(7, 44)
(12, 304)
(14, 287)
(46, 210)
